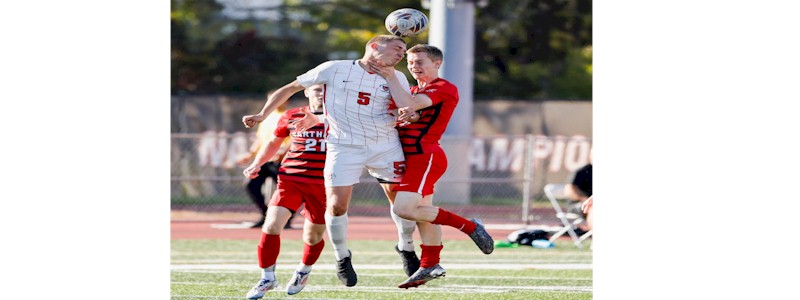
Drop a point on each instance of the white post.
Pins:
(452, 30)
(527, 182)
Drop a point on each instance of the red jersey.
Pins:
(305, 158)
(423, 135)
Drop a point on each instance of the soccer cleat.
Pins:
(345, 272)
(410, 260)
(481, 237)
(261, 288)
(422, 276)
(297, 283)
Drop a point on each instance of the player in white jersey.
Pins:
(360, 134)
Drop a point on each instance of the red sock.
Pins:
(311, 253)
(429, 256)
(268, 249)
(453, 220)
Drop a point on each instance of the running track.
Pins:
(367, 228)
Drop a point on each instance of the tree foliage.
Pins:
(523, 49)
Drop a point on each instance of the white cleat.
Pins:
(261, 288)
(297, 283)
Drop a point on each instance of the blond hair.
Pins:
(384, 39)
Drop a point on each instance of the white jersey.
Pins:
(356, 103)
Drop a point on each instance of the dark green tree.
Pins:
(534, 49)
(523, 49)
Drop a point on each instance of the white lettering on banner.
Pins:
(577, 153)
(572, 153)
(558, 154)
(501, 159)
(221, 149)
(239, 145)
(504, 154)
(542, 148)
(211, 150)
(477, 155)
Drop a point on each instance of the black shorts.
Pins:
(270, 169)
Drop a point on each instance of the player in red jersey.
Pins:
(432, 101)
(300, 181)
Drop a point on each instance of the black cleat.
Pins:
(345, 272)
(410, 260)
(482, 238)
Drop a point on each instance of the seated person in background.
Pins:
(579, 188)
(587, 210)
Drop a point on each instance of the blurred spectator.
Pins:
(579, 188)
(269, 169)
(587, 210)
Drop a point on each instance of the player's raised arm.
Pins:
(273, 144)
(401, 94)
(277, 98)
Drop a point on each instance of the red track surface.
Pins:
(364, 228)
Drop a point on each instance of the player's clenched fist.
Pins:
(251, 171)
(250, 121)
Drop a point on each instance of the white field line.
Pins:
(445, 262)
(450, 289)
(524, 250)
(522, 226)
(287, 273)
(510, 226)
(394, 266)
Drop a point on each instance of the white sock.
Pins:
(268, 273)
(303, 268)
(405, 231)
(337, 232)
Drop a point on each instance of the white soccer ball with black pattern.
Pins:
(406, 22)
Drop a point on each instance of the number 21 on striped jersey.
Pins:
(311, 145)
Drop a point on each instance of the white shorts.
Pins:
(345, 163)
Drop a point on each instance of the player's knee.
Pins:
(312, 238)
(272, 228)
(338, 209)
(403, 212)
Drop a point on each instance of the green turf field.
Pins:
(227, 269)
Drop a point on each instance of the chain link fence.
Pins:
(496, 178)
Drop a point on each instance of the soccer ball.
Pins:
(406, 22)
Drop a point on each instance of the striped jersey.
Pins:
(305, 158)
(423, 135)
(356, 103)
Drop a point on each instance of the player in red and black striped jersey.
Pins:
(430, 105)
(300, 181)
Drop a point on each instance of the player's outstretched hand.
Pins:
(250, 121)
(380, 69)
(251, 171)
(307, 121)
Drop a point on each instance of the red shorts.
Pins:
(422, 172)
(291, 194)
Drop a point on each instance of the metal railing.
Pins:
(498, 178)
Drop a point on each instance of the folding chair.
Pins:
(555, 193)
